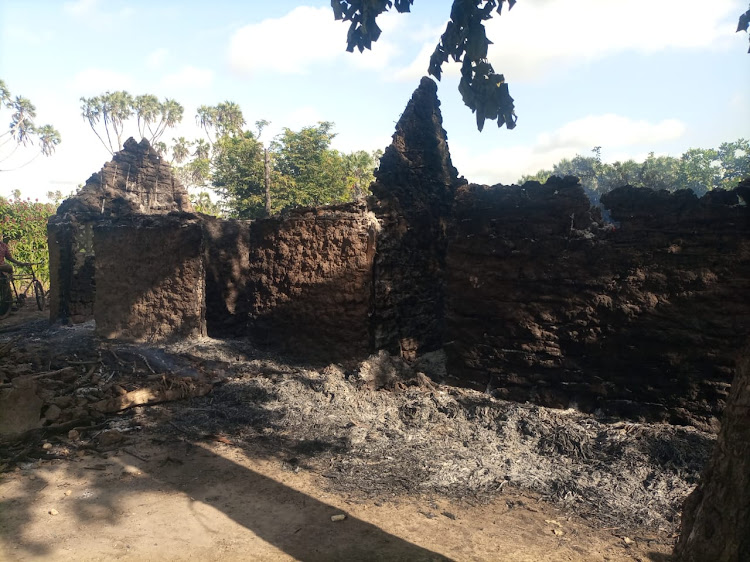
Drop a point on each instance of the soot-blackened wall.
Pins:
(643, 319)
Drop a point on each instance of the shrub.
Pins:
(23, 224)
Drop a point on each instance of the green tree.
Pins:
(238, 174)
(360, 167)
(316, 174)
(203, 203)
(698, 170)
(660, 172)
(464, 40)
(22, 131)
(734, 162)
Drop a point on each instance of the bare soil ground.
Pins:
(256, 468)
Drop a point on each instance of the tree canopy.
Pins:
(108, 114)
(22, 131)
(698, 169)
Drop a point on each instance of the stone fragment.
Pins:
(338, 517)
(110, 437)
(52, 413)
(20, 408)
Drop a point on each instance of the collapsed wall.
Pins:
(136, 181)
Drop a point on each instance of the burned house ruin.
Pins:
(527, 290)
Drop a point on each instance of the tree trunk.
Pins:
(716, 516)
(267, 170)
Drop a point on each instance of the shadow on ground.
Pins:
(292, 521)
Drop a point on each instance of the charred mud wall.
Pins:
(309, 281)
(528, 290)
(136, 181)
(71, 267)
(150, 277)
(227, 265)
(547, 304)
(413, 191)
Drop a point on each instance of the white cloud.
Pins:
(94, 81)
(20, 35)
(609, 130)
(508, 164)
(156, 59)
(304, 37)
(188, 77)
(419, 65)
(80, 7)
(288, 45)
(93, 13)
(536, 38)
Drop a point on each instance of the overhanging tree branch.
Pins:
(483, 90)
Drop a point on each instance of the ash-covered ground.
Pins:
(378, 429)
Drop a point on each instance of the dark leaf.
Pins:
(338, 11)
(744, 22)
(480, 120)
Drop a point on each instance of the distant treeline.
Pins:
(698, 169)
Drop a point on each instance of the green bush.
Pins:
(23, 224)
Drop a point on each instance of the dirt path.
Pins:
(182, 501)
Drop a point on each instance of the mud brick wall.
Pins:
(150, 277)
(547, 304)
(414, 189)
(227, 263)
(310, 281)
(71, 265)
(136, 180)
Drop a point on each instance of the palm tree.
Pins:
(118, 109)
(49, 138)
(180, 150)
(229, 119)
(202, 149)
(4, 94)
(206, 118)
(359, 167)
(170, 114)
(146, 110)
(91, 110)
(22, 120)
(22, 130)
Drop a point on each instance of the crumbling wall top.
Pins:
(136, 180)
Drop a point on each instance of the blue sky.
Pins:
(631, 76)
